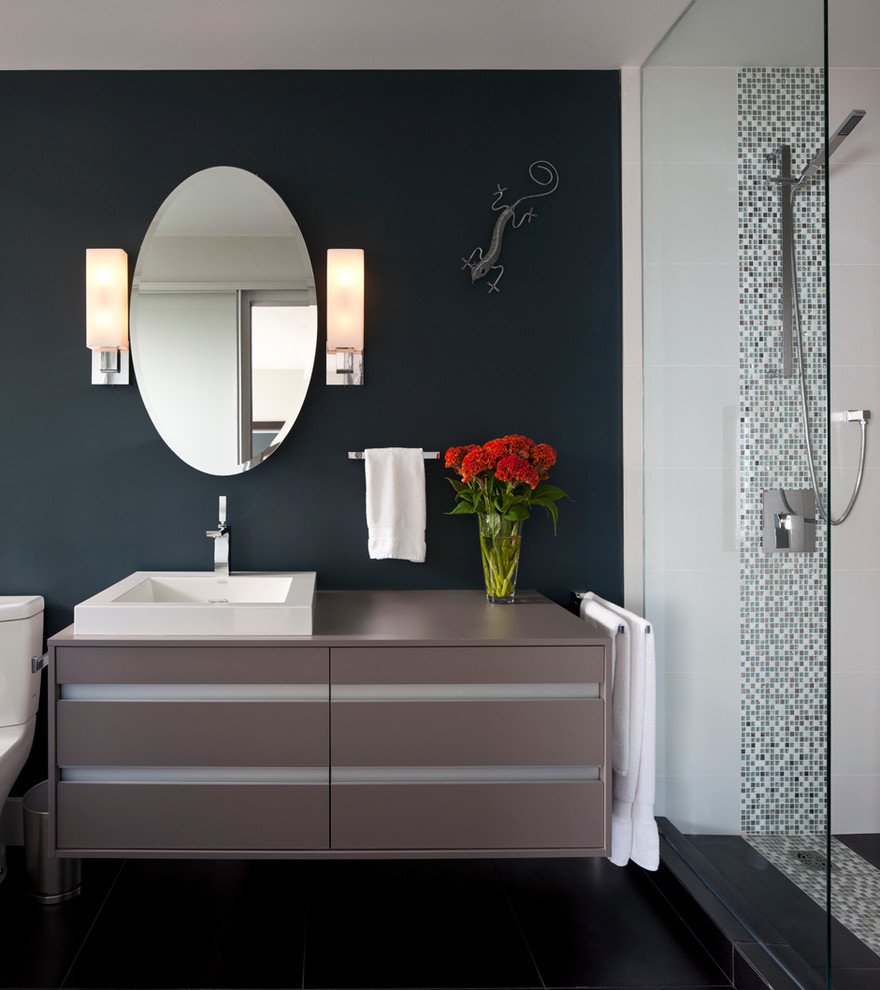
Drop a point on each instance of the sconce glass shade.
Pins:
(106, 299)
(345, 298)
(107, 314)
(345, 316)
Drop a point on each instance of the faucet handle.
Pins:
(222, 510)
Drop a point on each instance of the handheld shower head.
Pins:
(834, 142)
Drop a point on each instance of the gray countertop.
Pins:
(406, 618)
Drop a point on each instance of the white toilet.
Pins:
(21, 638)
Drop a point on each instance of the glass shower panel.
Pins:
(740, 614)
(854, 181)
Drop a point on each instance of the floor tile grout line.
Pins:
(692, 931)
(310, 873)
(518, 923)
(91, 927)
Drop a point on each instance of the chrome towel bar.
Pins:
(581, 595)
(429, 455)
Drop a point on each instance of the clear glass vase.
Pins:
(500, 541)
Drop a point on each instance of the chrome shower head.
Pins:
(834, 142)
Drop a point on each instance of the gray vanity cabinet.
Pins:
(467, 748)
(383, 734)
(190, 748)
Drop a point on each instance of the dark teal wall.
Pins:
(403, 164)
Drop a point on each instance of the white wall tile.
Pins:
(692, 314)
(688, 113)
(855, 803)
(690, 214)
(855, 314)
(855, 704)
(855, 621)
(690, 518)
(702, 805)
(854, 224)
(856, 544)
(704, 738)
(695, 615)
(695, 418)
(852, 387)
(855, 89)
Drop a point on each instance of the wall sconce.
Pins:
(107, 314)
(345, 316)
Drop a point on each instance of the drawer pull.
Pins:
(195, 692)
(202, 775)
(461, 692)
(417, 775)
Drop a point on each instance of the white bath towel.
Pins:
(396, 502)
(617, 631)
(633, 827)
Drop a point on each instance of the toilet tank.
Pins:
(21, 637)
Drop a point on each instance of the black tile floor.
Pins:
(867, 845)
(360, 924)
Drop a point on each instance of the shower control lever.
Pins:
(789, 530)
(789, 520)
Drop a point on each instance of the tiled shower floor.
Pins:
(775, 886)
(855, 882)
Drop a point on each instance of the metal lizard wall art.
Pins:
(481, 264)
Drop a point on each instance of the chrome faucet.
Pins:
(220, 536)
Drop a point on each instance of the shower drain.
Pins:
(812, 860)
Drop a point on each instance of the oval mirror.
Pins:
(224, 320)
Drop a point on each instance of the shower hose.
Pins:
(863, 425)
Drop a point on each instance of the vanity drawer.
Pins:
(468, 733)
(467, 665)
(493, 815)
(239, 816)
(192, 665)
(192, 733)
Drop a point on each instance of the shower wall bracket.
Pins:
(789, 520)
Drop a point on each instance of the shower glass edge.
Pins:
(727, 86)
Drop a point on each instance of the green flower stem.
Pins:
(500, 541)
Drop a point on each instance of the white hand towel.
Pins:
(396, 503)
(633, 826)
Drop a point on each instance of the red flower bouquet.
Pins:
(500, 482)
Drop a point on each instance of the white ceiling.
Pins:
(399, 34)
(331, 34)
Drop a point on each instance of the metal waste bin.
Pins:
(50, 880)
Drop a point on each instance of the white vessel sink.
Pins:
(200, 603)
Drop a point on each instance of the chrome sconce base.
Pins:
(345, 366)
(110, 367)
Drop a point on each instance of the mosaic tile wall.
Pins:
(783, 597)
